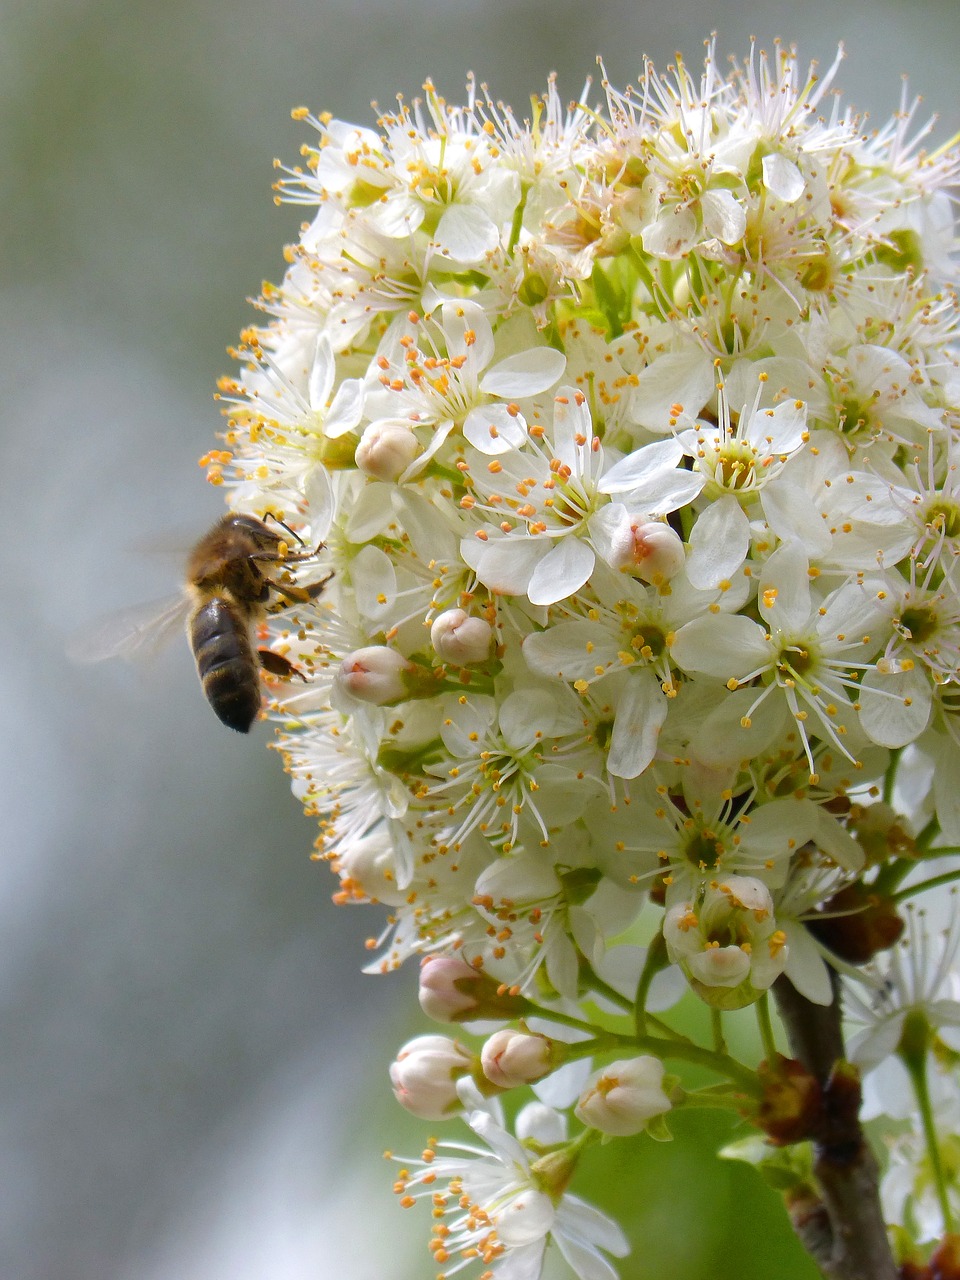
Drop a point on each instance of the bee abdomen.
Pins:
(226, 663)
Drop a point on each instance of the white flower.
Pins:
(623, 1097)
(502, 1206)
(808, 652)
(727, 941)
(919, 977)
(556, 500)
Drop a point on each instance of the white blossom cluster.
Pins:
(630, 434)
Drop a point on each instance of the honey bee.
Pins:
(230, 585)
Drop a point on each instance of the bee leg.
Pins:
(300, 595)
(278, 665)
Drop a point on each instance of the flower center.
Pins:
(736, 466)
(943, 517)
(918, 623)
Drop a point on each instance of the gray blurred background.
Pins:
(187, 1042)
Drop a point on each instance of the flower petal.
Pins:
(561, 572)
(525, 374)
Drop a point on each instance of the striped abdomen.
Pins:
(226, 663)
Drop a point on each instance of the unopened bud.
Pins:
(512, 1058)
(622, 1098)
(386, 449)
(453, 991)
(374, 674)
(459, 637)
(425, 1073)
(648, 548)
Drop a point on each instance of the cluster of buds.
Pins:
(629, 436)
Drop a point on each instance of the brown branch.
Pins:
(844, 1231)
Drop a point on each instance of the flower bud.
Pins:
(458, 637)
(425, 1073)
(512, 1058)
(623, 1097)
(385, 450)
(648, 548)
(729, 946)
(374, 674)
(453, 991)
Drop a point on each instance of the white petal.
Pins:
(784, 596)
(780, 429)
(493, 429)
(370, 513)
(396, 216)
(725, 645)
(318, 492)
(644, 464)
(782, 178)
(523, 714)
(526, 1219)
(581, 1219)
(321, 374)
(345, 410)
(641, 711)
(719, 542)
(525, 374)
(672, 235)
(467, 233)
(721, 738)
(375, 582)
(561, 572)
(570, 650)
(895, 708)
(468, 333)
(684, 378)
(538, 1120)
(806, 968)
(837, 843)
(723, 216)
(793, 516)
(505, 564)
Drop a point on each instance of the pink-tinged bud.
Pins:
(374, 674)
(458, 637)
(624, 1097)
(425, 1073)
(453, 991)
(650, 549)
(446, 984)
(385, 450)
(512, 1058)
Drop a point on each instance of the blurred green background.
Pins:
(187, 1043)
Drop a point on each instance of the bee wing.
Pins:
(136, 632)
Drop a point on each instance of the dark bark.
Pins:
(844, 1231)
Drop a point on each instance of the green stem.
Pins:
(721, 1099)
(604, 989)
(716, 1023)
(948, 877)
(565, 1020)
(719, 1063)
(890, 778)
(766, 1029)
(656, 959)
(927, 834)
(916, 1065)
